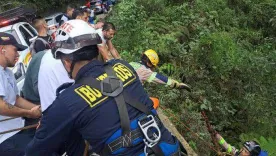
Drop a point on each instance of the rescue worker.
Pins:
(250, 148)
(114, 119)
(145, 70)
(11, 104)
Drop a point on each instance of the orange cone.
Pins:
(155, 102)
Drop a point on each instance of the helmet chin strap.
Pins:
(71, 69)
(145, 63)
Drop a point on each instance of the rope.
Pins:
(8, 119)
(193, 133)
(19, 129)
(210, 130)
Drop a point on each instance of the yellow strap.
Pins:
(152, 77)
(135, 65)
(169, 83)
(222, 141)
(229, 150)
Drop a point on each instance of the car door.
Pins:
(19, 74)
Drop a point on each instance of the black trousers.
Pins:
(15, 145)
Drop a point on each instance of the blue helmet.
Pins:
(263, 153)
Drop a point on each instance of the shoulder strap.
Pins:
(44, 41)
(32, 49)
(134, 102)
(62, 87)
(120, 101)
(121, 98)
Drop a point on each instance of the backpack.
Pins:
(32, 49)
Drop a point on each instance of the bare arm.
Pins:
(113, 50)
(7, 109)
(22, 103)
(104, 52)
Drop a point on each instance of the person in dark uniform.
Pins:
(118, 119)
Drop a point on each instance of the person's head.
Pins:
(250, 148)
(76, 45)
(87, 13)
(40, 24)
(69, 11)
(80, 14)
(8, 50)
(150, 59)
(77, 14)
(108, 30)
(86, 9)
(99, 23)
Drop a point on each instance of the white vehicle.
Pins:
(24, 33)
(53, 23)
(54, 19)
(13, 22)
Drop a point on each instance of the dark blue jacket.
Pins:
(86, 111)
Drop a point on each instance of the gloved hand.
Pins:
(184, 86)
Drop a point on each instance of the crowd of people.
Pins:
(80, 90)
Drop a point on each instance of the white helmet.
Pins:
(74, 35)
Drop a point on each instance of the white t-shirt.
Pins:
(100, 32)
(51, 75)
(9, 91)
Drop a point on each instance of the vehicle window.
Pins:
(13, 32)
(48, 19)
(31, 29)
(58, 18)
(19, 72)
(50, 22)
(26, 35)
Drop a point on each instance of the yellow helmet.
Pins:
(153, 57)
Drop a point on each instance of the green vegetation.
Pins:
(225, 48)
(42, 6)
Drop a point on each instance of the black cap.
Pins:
(8, 39)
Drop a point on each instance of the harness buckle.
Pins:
(111, 86)
(151, 131)
(146, 152)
